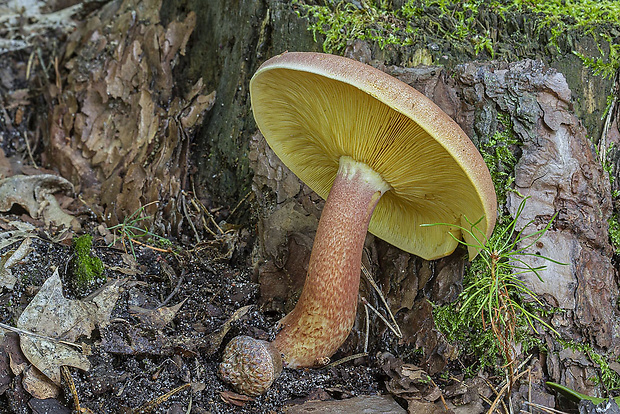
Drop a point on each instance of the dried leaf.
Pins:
(18, 254)
(17, 361)
(51, 315)
(50, 406)
(156, 318)
(407, 381)
(7, 279)
(235, 399)
(38, 385)
(11, 258)
(211, 343)
(614, 365)
(35, 193)
(20, 232)
(6, 169)
(413, 372)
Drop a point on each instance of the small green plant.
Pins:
(577, 396)
(607, 160)
(483, 42)
(130, 231)
(86, 269)
(496, 310)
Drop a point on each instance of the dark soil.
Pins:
(135, 363)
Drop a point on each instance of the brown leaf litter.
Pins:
(35, 193)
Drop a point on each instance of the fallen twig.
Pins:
(151, 405)
(544, 408)
(47, 338)
(345, 359)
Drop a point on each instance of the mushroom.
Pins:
(387, 160)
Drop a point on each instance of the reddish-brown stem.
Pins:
(325, 312)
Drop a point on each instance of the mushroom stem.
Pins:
(325, 312)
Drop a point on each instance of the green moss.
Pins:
(86, 269)
(457, 20)
(614, 232)
(563, 15)
(499, 155)
(347, 21)
(497, 28)
(609, 378)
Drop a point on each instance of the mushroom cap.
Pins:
(313, 108)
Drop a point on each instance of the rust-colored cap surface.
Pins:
(314, 108)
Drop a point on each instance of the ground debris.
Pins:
(147, 338)
(607, 407)
(22, 22)
(411, 383)
(156, 318)
(35, 194)
(361, 404)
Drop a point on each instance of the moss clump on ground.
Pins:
(86, 269)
